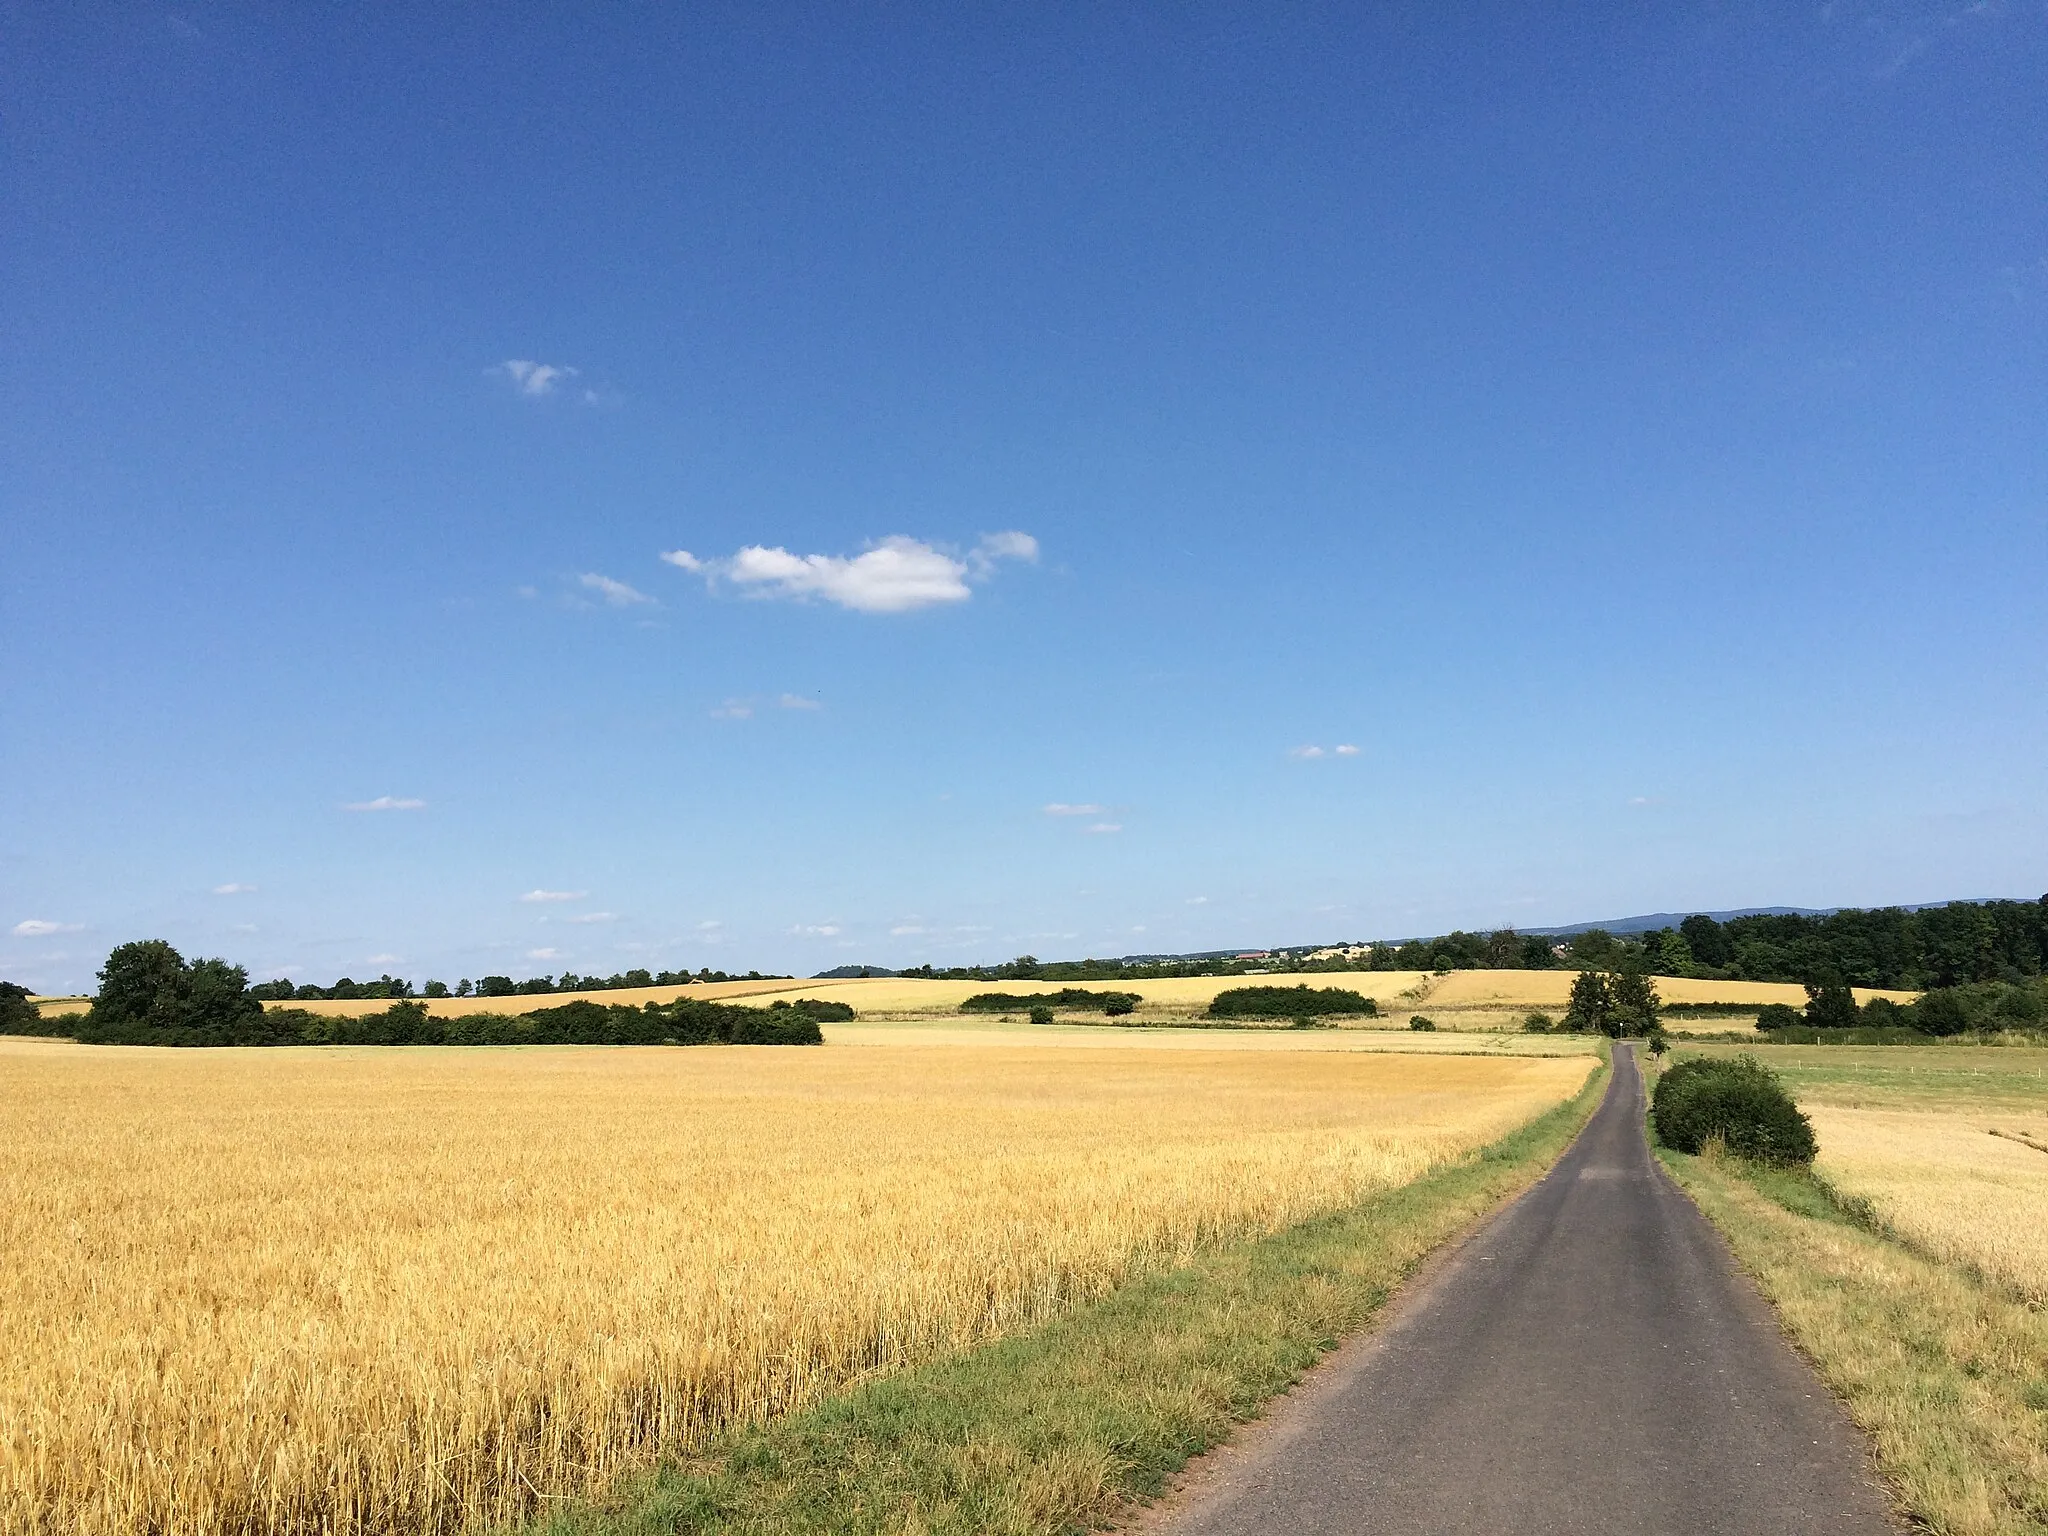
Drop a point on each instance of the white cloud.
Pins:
(233, 888)
(817, 930)
(554, 895)
(593, 917)
(904, 930)
(1061, 808)
(733, 709)
(708, 924)
(1107, 826)
(382, 960)
(1198, 901)
(39, 928)
(617, 593)
(534, 379)
(1002, 546)
(895, 575)
(798, 701)
(1307, 752)
(543, 954)
(1347, 750)
(386, 803)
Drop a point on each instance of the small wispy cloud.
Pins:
(1198, 901)
(534, 379)
(616, 593)
(233, 888)
(42, 928)
(593, 917)
(709, 924)
(897, 574)
(1107, 826)
(538, 895)
(733, 709)
(797, 701)
(386, 803)
(816, 930)
(1306, 752)
(543, 954)
(1061, 808)
(906, 930)
(382, 959)
(1311, 753)
(1347, 750)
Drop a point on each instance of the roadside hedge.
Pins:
(1296, 1002)
(1736, 1099)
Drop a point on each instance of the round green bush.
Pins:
(1417, 1021)
(1738, 1101)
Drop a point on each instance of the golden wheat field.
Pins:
(351, 1290)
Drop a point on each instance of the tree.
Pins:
(149, 985)
(1707, 939)
(437, 989)
(1634, 998)
(1591, 1008)
(1829, 1002)
(1595, 946)
(18, 1016)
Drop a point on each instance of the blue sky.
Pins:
(1074, 430)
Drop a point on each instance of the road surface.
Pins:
(1589, 1361)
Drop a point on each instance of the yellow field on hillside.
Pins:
(352, 1290)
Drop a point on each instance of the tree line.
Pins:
(152, 995)
(284, 990)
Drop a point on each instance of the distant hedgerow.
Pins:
(1115, 1004)
(1290, 1003)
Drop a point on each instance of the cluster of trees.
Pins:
(1982, 1007)
(1619, 1004)
(1115, 1004)
(1297, 1002)
(397, 987)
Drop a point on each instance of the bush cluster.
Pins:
(1298, 1002)
(1115, 1004)
(1736, 1100)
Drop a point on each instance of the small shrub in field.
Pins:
(1041, 1015)
(1417, 1021)
(1738, 1101)
(1290, 1003)
(1537, 1024)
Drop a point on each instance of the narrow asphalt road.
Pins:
(1589, 1361)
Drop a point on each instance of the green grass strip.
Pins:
(1059, 1429)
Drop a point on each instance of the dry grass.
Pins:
(346, 1291)
(1947, 1374)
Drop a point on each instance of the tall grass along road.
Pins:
(1589, 1361)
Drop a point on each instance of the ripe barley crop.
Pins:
(352, 1291)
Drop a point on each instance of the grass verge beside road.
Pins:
(1947, 1372)
(1059, 1429)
